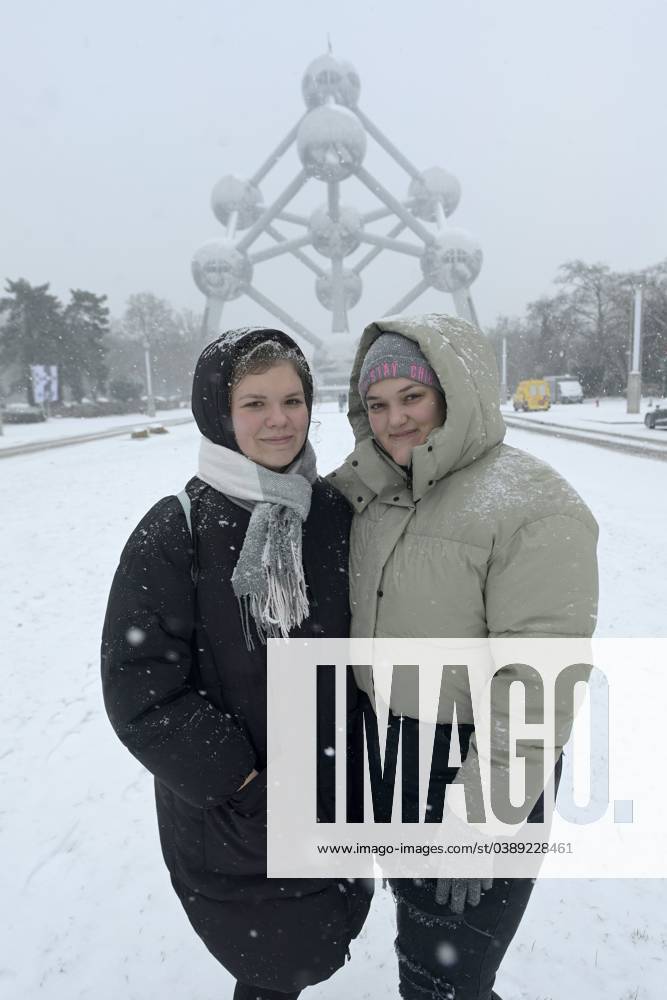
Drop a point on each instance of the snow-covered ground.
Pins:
(609, 418)
(607, 410)
(56, 428)
(88, 910)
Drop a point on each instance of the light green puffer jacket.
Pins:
(484, 541)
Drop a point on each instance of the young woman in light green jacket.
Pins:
(455, 534)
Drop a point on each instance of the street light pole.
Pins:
(503, 380)
(635, 376)
(150, 401)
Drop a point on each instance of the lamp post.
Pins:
(503, 374)
(150, 400)
(635, 376)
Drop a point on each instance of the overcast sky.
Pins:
(118, 118)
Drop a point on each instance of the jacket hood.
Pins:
(212, 382)
(465, 365)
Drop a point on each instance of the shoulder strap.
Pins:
(186, 504)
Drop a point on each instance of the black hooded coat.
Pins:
(188, 700)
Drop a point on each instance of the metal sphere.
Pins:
(220, 270)
(352, 286)
(435, 185)
(452, 262)
(231, 194)
(331, 142)
(335, 239)
(327, 78)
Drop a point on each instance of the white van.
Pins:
(570, 391)
(564, 389)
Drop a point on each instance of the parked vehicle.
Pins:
(657, 417)
(532, 394)
(564, 389)
(22, 413)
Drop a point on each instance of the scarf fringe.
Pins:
(281, 606)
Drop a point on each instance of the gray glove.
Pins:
(459, 891)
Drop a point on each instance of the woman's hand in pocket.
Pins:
(253, 774)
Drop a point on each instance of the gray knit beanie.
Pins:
(394, 356)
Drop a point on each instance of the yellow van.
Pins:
(532, 394)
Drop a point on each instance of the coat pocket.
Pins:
(251, 799)
(235, 832)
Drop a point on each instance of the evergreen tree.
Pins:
(32, 332)
(86, 325)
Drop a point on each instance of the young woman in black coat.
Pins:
(184, 660)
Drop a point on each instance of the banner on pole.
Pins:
(44, 383)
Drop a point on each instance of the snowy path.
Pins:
(71, 430)
(89, 912)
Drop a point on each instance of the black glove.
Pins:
(459, 891)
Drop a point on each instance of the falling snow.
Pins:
(135, 636)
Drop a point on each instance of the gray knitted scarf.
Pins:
(268, 578)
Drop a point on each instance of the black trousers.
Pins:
(441, 955)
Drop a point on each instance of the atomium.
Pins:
(435, 187)
(452, 262)
(233, 195)
(351, 287)
(335, 237)
(220, 270)
(330, 79)
(331, 140)
(331, 143)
